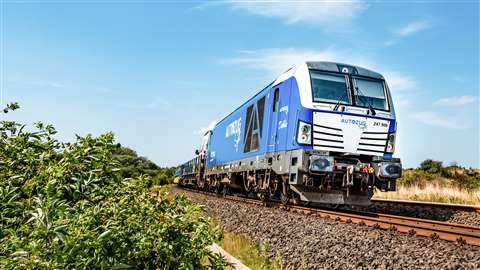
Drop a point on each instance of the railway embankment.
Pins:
(309, 242)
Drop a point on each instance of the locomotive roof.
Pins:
(328, 66)
(339, 67)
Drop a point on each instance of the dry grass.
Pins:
(244, 250)
(433, 192)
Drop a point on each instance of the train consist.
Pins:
(322, 132)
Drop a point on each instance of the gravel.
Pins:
(434, 213)
(307, 242)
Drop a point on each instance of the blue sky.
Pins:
(158, 73)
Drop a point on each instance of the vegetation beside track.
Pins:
(252, 255)
(85, 205)
(437, 183)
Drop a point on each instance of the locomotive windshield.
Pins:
(329, 88)
(335, 88)
(370, 93)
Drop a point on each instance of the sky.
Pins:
(158, 73)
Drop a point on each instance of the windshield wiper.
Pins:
(340, 100)
(370, 107)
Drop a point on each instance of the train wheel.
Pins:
(224, 190)
(334, 205)
(305, 203)
(285, 194)
(247, 184)
(263, 196)
(284, 198)
(273, 188)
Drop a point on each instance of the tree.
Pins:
(431, 166)
(131, 165)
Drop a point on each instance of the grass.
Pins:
(433, 192)
(250, 254)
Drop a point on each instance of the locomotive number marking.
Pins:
(380, 124)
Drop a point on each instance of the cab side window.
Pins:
(275, 99)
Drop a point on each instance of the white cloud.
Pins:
(201, 131)
(207, 4)
(455, 101)
(413, 27)
(324, 13)
(105, 90)
(435, 119)
(49, 84)
(401, 103)
(390, 42)
(407, 30)
(458, 79)
(277, 60)
(398, 81)
(160, 104)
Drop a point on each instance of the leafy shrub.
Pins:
(164, 176)
(66, 206)
(465, 178)
(415, 177)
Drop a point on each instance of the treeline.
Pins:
(434, 171)
(133, 166)
(87, 205)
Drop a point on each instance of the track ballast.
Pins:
(460, 233)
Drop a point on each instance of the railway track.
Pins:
(455, 207)
(460, 233)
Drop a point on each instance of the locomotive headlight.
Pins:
(304, 135)
(321, 163)
(391, 143)
(388, 169)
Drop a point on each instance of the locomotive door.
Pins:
(279, 119)
(273, 125)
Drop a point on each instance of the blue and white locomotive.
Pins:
(322, 132)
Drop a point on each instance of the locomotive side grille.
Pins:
(327, 138)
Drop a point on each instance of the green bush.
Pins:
(415, 177)
(164, 176)
(465, 178)
(67, 206)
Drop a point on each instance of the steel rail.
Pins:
(457, 207)
(459, 233)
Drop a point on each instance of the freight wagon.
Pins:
(321, 132)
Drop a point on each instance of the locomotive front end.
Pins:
(347, 131)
